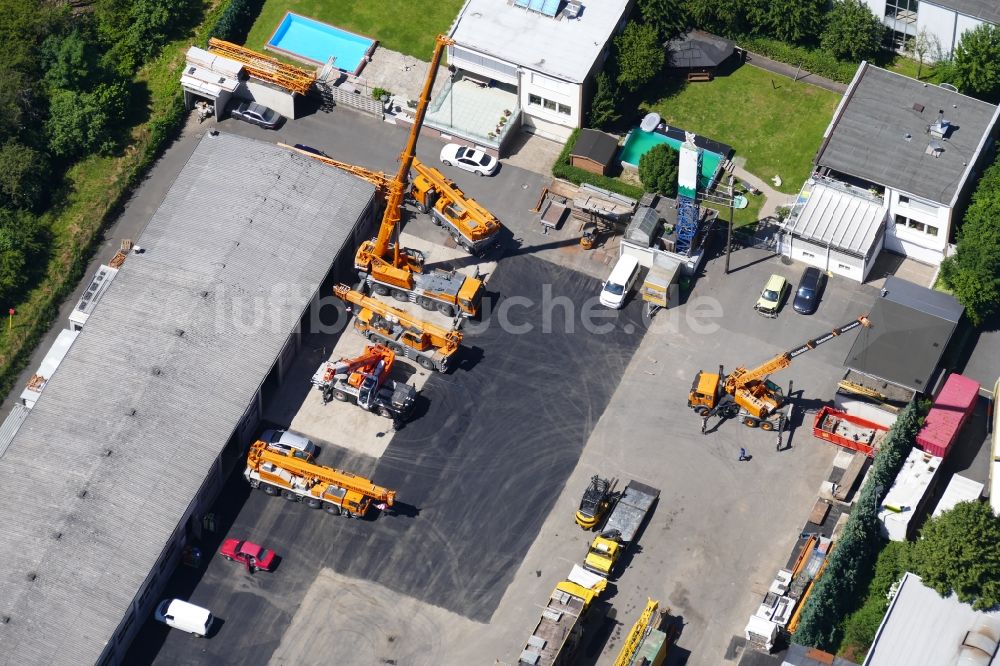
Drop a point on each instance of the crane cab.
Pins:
(704, 391)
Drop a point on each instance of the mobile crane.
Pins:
(471, 226)
(749, 394)
(431, 346)
(365, 381)
(319, 487)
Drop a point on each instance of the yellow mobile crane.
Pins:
(431, 346)
(336, 491)
(471, 226)
(748, 394)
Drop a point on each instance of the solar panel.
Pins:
(520, 3)
(535, 5)
(550, 7)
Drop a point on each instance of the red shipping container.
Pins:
(951, 408)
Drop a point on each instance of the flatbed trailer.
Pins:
(622, 525)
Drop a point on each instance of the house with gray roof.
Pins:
(915, 146)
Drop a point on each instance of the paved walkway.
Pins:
(772, 198)
(794, 73)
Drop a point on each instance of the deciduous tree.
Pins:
(669, 17)
(976, 64)
(639, 56)
(23, 174)
(960, 551)
(852, 31)
(21, 243)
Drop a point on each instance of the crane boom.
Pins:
(741, 377)
(313, 474)
(379, 179)
(447, 340)
(373, 251)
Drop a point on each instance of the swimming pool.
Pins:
(309, 40)
(638, 143)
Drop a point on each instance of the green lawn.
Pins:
(401, 25)
(773, 122)
(908, 67)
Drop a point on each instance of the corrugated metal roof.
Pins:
(923, 629)
(828, 214)
(184, 336)
(11, 425)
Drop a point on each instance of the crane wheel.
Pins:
(314, 503)
(396, 348)
(400, 295)
(434, 219)
(426, 363)
(332, 509)
(426, 303)
(339, 395)
(446, 309)
(701, 410)
(270, 490)
(289, 495)
(750, 422)
(380, 289)
(766, 425)
(385, 411)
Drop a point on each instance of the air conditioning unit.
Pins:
(573, 9)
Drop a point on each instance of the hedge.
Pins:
(235, 21)
(815, 61)
(850, 565)
(577, 176)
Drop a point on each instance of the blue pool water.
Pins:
(638, 143)
(311, 40)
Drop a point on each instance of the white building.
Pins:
(942, 20)
(918, 147)
(544, 53)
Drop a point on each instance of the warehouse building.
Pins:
(156, 401)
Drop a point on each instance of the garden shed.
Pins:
(594, 151)
(698, 54)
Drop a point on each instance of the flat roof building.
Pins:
(915, 145)
(157, 399)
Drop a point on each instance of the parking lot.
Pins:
(491, 470)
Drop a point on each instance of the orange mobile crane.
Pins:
(336, 491)
(364, 380)
(431, 346)
(748, 394)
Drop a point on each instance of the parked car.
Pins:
(289, 442)
(615, 289)
(256, 114)
(469, 159)
(184, 616)
(810, 289)
(251, 555)
(772, 296)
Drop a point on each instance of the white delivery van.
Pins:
(618, 284)
(184, 616)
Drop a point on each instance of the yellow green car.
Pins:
(772, 296)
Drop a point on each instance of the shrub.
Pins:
(377, 93)
(235, 21)
(658, 170)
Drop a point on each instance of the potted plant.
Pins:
(492, 135)
(506, 113)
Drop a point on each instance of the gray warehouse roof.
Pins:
(987, 10)
(868, 135)
(127, 431)
(911, 326)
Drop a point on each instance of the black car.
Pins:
(256, 114)
(810, 289)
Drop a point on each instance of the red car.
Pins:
(249, 554)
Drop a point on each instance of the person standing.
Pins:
(743, 454)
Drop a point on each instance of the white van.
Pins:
(618, 284)
(184, 616)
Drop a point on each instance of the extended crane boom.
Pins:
(747, 393)
(429, 345)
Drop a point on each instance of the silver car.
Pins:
(290, 443)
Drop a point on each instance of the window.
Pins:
(913, 224)
(564, 109)
(808, 254)
(549, 104)
(845, 267)
(903, 199)
(900, 220)
(931, 231)
(534, 99)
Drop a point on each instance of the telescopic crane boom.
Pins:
(747, 393)
(429, 345)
